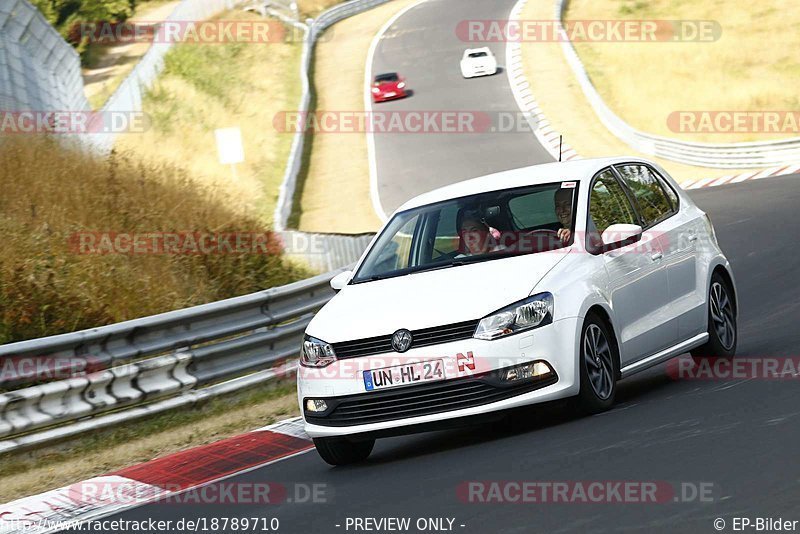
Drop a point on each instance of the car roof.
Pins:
(575, 170)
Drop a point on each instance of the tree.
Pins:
(63, 14)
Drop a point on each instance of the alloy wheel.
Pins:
(599, 364)
(722, 315)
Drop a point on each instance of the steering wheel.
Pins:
(550, 240)
(543, 231)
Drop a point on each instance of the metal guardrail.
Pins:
(723, 155)
(155, 363)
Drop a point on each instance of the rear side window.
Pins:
(608, 204)
(651, 199)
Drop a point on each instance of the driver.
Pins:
(563, 205)
(477, 236)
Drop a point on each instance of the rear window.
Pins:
(391, 77)
(478, 54)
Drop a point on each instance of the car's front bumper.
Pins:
(343, 381)
(383, 97)
(477, 72)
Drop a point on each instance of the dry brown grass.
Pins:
(335, 196)
(565, 106)
(752, 67)
(46, 469)
(50, 193)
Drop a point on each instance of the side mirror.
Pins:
(340, 280)
(620, 235)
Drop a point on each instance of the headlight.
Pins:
(376, 90)
(401, 85)
(530, 313)
(316, 353)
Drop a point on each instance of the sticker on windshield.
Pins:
(568, 185)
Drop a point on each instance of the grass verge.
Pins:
(751, 67)
(108, 450)
(561, 99)
(334, 193)
(203, 88)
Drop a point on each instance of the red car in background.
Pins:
(388, 86)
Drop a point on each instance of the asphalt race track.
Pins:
(422, 45)
(738, 437)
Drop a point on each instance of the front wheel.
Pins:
(722, 331)
(340, 451)
(598, 366)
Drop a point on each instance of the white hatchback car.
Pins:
(478, 62)
(517, 288)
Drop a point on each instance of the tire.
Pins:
(339, 451)
(722, 329)
(598, 366)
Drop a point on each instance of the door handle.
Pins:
(692, 237)
(657, 256)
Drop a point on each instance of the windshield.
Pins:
(478, 54)
(383, 78)
(471, 229)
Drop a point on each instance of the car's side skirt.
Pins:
(664, 355)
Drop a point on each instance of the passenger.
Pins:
(477, 237)
(563, 205)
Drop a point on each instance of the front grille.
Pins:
(420, 338)
(426, 399)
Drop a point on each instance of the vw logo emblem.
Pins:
(401, 340)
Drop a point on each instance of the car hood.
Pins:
(430, 298)
(388, 86)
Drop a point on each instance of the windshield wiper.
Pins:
(469, 259)
(423, 268)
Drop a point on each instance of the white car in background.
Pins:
(517, 288)
(478, 62)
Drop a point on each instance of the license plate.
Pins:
(403, 375)
(390, 94)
